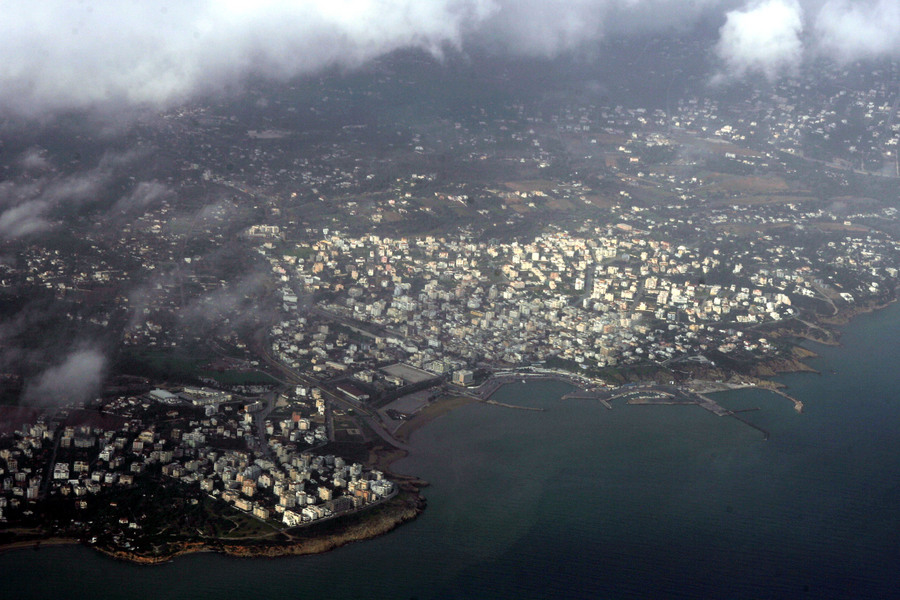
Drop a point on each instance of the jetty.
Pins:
(756, 427)
(589, 395)
(505, 405)
(713, 406)
(798, 405)
(698, 387)
(659, 401)
(487, 389)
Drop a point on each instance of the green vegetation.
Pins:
(351, 451)
(612, 375)
(244, 525)
(174, 364)
(240, 377)
(9, 396)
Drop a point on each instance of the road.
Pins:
(260, 421)
(367, 329)
(45, 484)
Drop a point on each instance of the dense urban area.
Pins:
(254, 301)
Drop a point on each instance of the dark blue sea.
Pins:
(583, 502)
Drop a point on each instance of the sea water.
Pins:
(578, 501)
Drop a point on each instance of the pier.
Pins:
(699, 387)
(659, 402)
(798, 405)
(505, 405)
(713, 406)
(756, 427)
(487, 389)
(589, 395)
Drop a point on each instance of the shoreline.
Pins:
(828, 324)
(383, 457)
(410, 503)
(429, 413)
(38, 544)
(404, 507)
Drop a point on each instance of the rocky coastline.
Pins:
(406, 506)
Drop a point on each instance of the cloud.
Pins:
(764, 38)
(143, 196)
(26, 207)
(60, 55)
(849, 31)
(237, 303)
(29, 204)
(76, 378)
(25, 219)
(34, 159)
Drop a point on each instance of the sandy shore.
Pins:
(382, 457)
(37, 544)
(429, 414)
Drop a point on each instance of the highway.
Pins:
(260, 418)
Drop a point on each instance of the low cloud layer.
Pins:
(60, 55)
(78, 377)
(26, 206)
(32, 202)
(145, 195)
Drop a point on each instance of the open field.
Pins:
(407, 373)
(753, 184)
(716, 146)
(835, 226)
(532, 185)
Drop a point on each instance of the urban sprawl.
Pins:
(324, 283)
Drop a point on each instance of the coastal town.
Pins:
(203, 442)
(277, 313)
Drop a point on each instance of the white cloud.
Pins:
(548, 27)
(34, 159)
(31, 204)
(59, 54)
(763, 37)
(849, 31)
(144, 195)
(76, 378)
(24, 219)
